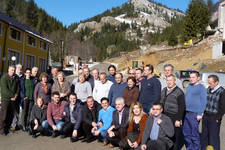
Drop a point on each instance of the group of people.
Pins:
(144, 112)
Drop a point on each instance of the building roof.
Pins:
(15, 23)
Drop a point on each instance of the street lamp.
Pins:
(13, 58)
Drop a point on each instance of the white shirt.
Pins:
(101, 90)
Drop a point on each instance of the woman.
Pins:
(61, 85)
(83, 88)
(43, 89)
(38, 115)
(131, 93)
(28, 101)
(137, 120)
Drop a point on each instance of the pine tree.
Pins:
(172, 41)
(10, 8)
(196, 20)
(32, 13)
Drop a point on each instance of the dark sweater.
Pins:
(130, 95)
(173, 103)
(150, 90)
(38, 113)
(87, 114)
(116, 90)
(9, 87)
(76, 113)
(29, 89)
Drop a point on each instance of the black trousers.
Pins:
(177, 133)
(27, 107)
(39, 129)
(119, 135)
(210, 132)
(8, 108)
(68, 129)
(156, 145)
(87, 130)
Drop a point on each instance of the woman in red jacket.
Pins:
(137, 120)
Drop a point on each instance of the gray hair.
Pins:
(11, 66)
(17, 65)
(169, 65)
(121, 99)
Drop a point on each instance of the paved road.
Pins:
(21, 141)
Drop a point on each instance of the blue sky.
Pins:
(70, 11)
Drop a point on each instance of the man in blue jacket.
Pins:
(105, 118)
(116, 90)
(72, 118)
(195, 99)
(150, 89)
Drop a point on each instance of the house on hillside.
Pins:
(218, 26)
(19, 44)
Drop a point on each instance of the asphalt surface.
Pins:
(22, 141)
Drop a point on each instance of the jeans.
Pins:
(59, 125)
(146, 107)
(191, 131)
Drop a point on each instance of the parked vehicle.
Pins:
(204, 78)
(183, 75)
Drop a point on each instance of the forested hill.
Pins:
(28, 13)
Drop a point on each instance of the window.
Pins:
(10, 57)
(0, 29)
(30, 61)
(42, 64)
(43, 45)
(15, 34)
(31, 41)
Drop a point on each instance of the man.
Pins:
(172, 98)
(168, 70)
(34, 75)
(150, 89)
(195, 100)
(118, 129)
(102, 88)
(54, 115)
(21, 77)
(95, 74)
(104, 120)
(75, 80)
(158, 130)
(52, 78)
(214, 111)
(89, 77)
(117, 89)
(131, 72)
(72, 117)
(112, 73)
(10, 88)
(90, 113)
(139, 77)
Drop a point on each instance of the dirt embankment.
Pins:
(197, 57)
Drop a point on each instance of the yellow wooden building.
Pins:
(21, 45)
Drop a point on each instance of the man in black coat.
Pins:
(172, 98)
(158, 130)
(90, 117)
(120, 123)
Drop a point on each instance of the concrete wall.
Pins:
(217, 50)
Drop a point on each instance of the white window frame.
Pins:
(34, 40)
(41, 47)
(10, 37)
(13, 50)
(28, 54)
